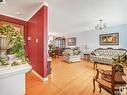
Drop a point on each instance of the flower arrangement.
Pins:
(73, 51)
(15, 38)
(9, 32)
(15, 44)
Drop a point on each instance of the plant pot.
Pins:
(118, 77)
(4, 42)
(11, 56)
(125, 72)
(4, 45)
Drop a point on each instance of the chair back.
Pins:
(113, 77)
(117, 78)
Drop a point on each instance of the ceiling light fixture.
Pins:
(101, 25)
(3, 2)
(18, 13)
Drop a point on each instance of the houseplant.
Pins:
(52, 45)
(51, 48)
(120, 63)
(11, 40)
(7, 38)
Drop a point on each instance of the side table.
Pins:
(49, 69)
(86, 56)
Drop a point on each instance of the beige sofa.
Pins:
(72, 55)
(72, 58)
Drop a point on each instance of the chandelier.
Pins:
(101, 25)
(2, 1)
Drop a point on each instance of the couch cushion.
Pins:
(102, 59)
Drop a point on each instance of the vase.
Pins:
(119, 77)
(125, 72)
(11, 56)
(4, 45)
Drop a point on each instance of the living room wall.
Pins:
(37, 41)
(35, 32)
(91, 38)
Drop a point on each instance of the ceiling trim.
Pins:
(44, 4)
(14, 17)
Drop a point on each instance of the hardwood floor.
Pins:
(66, 79)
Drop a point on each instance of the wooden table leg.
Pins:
(93, 85)
(95, 65)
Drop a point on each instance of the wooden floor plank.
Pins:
(66, 79)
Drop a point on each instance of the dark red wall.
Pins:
(35, 28)
(37, 52)
(16, 21)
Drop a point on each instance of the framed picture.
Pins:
(71, 41)
(109, 39)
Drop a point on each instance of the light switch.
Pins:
(29, 38)
(36, 40)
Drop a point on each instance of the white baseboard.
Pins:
(43, 79)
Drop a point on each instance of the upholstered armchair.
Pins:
(72, 55)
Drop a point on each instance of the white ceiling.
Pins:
(26, 7)
(69, 16)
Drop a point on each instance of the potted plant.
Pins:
(52, 48)
(7, 38)
(11, 40)
(120, 63)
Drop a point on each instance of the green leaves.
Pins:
(18, 48)
(120, 61)
(3, 61)
(8, 30)
(15, 38)
(16, 43)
